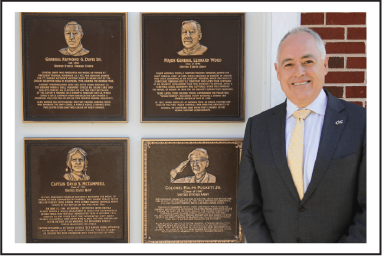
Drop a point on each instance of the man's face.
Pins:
(198, 165)
(73, 36)
(77, 162)
(300, 69)
(190, 35)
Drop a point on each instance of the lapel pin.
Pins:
(339, 122)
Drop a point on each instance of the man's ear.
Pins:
(207, 163)
(326, 64)
(277, 70)
(200, 36)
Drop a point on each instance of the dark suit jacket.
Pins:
(333, 208)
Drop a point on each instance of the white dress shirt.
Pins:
(312, 133)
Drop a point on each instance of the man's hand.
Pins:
(181, 167)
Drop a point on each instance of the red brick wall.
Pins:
(344, 35)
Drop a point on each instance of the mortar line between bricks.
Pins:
(344, 40)
(347, 54)
(356, 99)
(335, 26)
(344, 84)
(346, 34)
(347, 69)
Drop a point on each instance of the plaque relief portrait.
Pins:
(198, 160)
(191, 35)
(65, 81)
(189, 190)
(77, 165)
(73, 35)
(199, 78)
(72, 207)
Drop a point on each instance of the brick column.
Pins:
(344, 35)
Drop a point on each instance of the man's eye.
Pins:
(308, 61)
(288, 65)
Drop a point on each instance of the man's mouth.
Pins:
(188, 40)
(302, 83)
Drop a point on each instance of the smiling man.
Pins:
(303, 165)
(198, 160)
(73, 35)
(191, 35)
(77, 165)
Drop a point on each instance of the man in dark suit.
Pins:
(303, 165)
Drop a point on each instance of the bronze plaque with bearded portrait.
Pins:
(193, 67)
(76, 190)
(74, 67)
(189, 190)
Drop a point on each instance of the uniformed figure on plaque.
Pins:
(77, 165)
(191, 35)
(73, 35)
(198, 160)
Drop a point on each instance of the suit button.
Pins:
(301, 208)
(298, 240)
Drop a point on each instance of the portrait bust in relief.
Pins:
(77, 165)
(191, 35)
(198, 160)
(73, 34)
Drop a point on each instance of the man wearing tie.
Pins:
(303, 165)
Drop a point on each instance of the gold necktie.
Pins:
(295, 150)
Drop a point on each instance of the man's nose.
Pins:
(71, 35)
(300, 70)
(188, 33)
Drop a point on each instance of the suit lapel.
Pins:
(330, 136)
(276, 128)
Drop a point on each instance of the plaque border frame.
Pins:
(124, 69)
(241, 75)
(126, 207)
(146, 143)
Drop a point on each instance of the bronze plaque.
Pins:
(74, 66)
(193, 67)
(76, 190)
(189, 191)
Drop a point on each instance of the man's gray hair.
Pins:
(297, 30)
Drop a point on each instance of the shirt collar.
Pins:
(318, 105)
(191, 50)
(79, 48)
